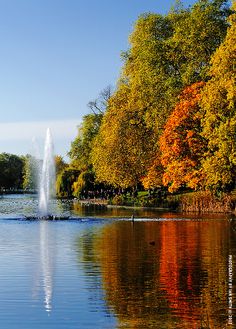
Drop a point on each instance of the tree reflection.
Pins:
(167, 274)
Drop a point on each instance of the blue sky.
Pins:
(56, 56)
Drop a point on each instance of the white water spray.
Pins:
(47, 177)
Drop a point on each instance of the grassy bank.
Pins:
(197, 202)
(144, 199)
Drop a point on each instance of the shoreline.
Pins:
(200, 209)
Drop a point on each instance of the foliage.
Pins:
(65, 182)
(197, 33)
(11, 169)
(181, 144)
(124, 144)
(153, 177)
(60, 164)
(166, 54)
(81, 147)
(30, 173)
(219, 122)
(84, 182)
(170, 52)
(119, 142)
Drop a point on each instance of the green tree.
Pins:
(219, 105)
(65, 181)
(81, 147)
(60, 164)
(30, 172)
(11, 169)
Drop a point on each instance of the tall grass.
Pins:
(206, 202)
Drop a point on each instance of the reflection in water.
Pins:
(169, 274)
(47, 264)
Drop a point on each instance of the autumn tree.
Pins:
(166, 54)
(197, 33)
(81, 147)
(219, 122)
(124, 145)
(181, 143)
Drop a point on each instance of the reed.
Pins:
(206, 202)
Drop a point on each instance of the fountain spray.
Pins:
(47, 177)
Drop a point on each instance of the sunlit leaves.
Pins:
(82, 145)
(124, 144)
(169, 55)
(219, 122)
(197, 34)
(181, 144)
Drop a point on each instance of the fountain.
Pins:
(46, 184)
(47, 178)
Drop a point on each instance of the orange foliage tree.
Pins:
(181, 144)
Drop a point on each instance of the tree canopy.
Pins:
(11, 169)
(170, 119)
(167, 54)
(181, 143)
(219, 121)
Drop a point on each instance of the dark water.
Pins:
(95, 272)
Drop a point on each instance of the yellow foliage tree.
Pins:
(124, 145)
(219, 122)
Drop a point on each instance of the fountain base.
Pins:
(47, 217)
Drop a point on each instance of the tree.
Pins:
(30, 172)
(219, 121)
(181, 143)
(197, 33)
(158, 66)
(123, 145)
(11, 168)
(168, 53)
(64, 182)
(82, 145)
(99, 105)
(154, 173)
(60, 164)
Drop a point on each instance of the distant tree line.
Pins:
(171, 120)
(11, 169)
(22, 172)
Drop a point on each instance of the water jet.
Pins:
(47, 178)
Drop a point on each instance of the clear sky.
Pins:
(56, 56)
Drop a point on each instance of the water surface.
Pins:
(108, 272)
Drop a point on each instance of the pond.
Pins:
(104, 271)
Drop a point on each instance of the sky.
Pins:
(55, 57)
